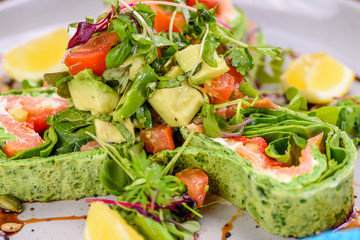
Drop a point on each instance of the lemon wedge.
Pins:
(104, 223)
(41, 55)
(319, 77)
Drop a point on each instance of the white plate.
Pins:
(305, 26)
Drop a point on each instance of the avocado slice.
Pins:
(137, 63)
(188, 58)
(177, 106)
(174, 72)
(90, 94)
(109, 133)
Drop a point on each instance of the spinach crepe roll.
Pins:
(40, 164)
(300, 184)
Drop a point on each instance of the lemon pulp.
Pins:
(31, 60)
(104, 223)
(319, 77)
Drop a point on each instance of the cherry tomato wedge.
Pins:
(158, 138)
(92, 54)
(196, 182)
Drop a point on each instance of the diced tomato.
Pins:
(224, 86)
(220, 88)
(162, 21)
(158, 138)
(92, 54)
(196, 182)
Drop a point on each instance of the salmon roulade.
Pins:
(291, 172)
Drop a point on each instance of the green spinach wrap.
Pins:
(292, 202)
(37, 165)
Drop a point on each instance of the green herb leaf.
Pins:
(143, 117)
(211, 126)
(113, 177)
(118, 54)
(241, 60)
(59, 80)
(268, 51)
(120, 28)
(162, 41)
(296, 100)
(210, 46)
(248, 90)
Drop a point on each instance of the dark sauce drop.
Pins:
(229, 226)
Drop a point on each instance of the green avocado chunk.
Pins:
(310, 203)
(188, 58)
(177, 106)
(90, 94)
